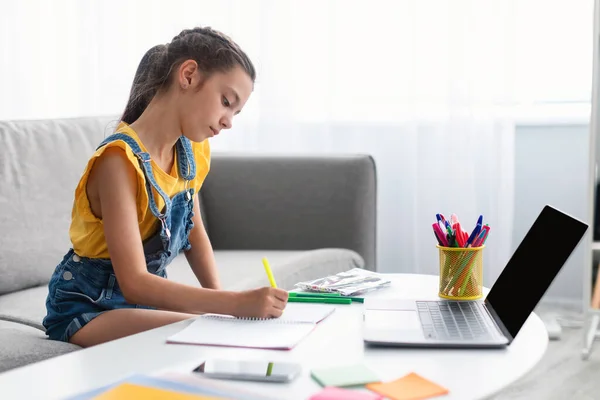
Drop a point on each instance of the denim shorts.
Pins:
(80, 289)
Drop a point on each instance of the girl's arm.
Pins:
(116, 181)
(201, 257)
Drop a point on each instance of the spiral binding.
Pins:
(226, 318)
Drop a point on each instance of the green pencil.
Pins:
(321, 295)
(330, 300)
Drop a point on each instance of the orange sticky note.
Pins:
(409, 387)
(128, 391)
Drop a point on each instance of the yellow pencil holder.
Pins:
(461, 273)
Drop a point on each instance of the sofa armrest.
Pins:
(281, 202)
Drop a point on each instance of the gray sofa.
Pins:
(310, 215)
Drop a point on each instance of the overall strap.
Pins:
(144, 159)
(185, 158)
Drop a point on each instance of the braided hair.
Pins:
(211, 49)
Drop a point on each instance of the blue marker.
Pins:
(473, 235)
(448, 226)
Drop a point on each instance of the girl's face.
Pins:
(208, 105)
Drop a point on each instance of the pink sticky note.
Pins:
(335, 393)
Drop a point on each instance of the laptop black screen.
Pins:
(534, 265)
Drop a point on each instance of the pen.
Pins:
(329, 300)
(442, 225)
(325, 295)
(450, 237)
(439, 234)
(448, 226)
(269, 272)
(437, 238)
(479, 239)
(473, 236)
(487, 231)
(460, 239)
(439, 223)
(453, 219)
(483, 235)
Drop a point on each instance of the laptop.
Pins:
(494, 322)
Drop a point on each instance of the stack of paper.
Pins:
(347, 283)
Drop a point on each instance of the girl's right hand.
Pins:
(266, 302)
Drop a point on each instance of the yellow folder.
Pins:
(128, 391)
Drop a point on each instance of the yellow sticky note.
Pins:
(128, 391)
(409, 387)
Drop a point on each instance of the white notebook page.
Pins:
(277, 333)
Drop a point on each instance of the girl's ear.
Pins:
(187, 74)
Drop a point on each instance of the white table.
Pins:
(468, 373)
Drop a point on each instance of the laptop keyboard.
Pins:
(454, 320)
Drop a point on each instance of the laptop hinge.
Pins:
(498, 321)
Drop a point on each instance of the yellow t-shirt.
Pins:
(87, 231)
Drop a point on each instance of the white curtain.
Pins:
(423, 86)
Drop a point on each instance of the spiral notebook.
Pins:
(283, 333)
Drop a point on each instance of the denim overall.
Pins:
(82, 288)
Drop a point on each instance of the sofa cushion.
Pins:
(21, 345)
(243, 269)
(27, 304)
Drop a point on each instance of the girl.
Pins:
(136, 205)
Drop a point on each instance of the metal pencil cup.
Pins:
(461, 272)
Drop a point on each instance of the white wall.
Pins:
(551, 167)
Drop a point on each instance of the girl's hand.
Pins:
(266, 302)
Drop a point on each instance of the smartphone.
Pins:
(249, 370)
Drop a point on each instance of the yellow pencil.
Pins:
(269, 272)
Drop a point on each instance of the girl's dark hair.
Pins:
(211, 49)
